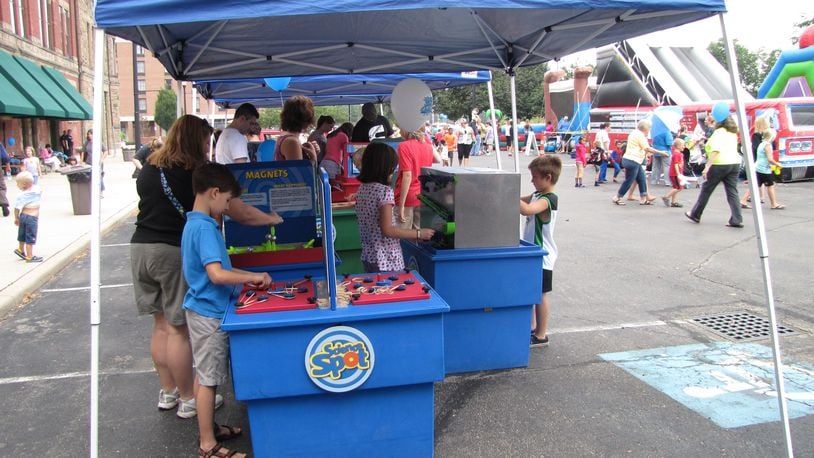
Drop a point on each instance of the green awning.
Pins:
(12, 101)
(35, 72)
(70, 91)
(48, 96)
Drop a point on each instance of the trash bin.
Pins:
(128, 153)
(79, 178)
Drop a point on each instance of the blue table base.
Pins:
(339, 425)
(481, 340)
(490, 292)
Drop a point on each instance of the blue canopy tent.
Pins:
(198, 40)
(328, 89)
(262, 38)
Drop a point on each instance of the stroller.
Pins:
(551, 144)
(694, 166)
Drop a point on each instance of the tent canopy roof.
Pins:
(262, 38)
(328, 89)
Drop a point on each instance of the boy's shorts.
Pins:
(158, 280)
(675, 182)
(548, 276)
(27, 231)
(210, 349)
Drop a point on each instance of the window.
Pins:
(64, 22)
(802, 115)
(141, 85)
(139, 50)
(18, 16)
(142, 105)
(168, 83)
(140, 67)
(48, 25)
(90, 42)
(12, 21)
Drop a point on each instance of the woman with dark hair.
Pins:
(325, 124)
(336, 143)
(723, 165)
(164, 186)
(297, 116)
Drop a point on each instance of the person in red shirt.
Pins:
(335, 145)
(413, 154)
(676, 171)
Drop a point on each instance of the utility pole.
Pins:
(136, 113)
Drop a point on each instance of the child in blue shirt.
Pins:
(26, 216)
(211, 281)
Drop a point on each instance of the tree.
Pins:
(459, 101)
(269, 117)
(165, 105)
(752, 65)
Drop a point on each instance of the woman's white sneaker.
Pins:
(188, 409)
(167, 401)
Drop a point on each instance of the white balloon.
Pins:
(411, 103)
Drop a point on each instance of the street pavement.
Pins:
(629, 279)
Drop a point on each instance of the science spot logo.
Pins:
(339, 359)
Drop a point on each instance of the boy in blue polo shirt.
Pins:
(211, 281)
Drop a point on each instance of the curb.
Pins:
(14, 296)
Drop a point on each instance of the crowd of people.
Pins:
(182, 275)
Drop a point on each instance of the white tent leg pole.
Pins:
(514, 126)
(95, 210)
(495, 127)
(760, 233)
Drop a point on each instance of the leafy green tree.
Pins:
(752, 65)
(459, 101)
(165, 108)
(270, 117)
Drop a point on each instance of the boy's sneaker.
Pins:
(167, 400)
(537, 342)
(19, 254)
(188, 409)
(34, 259)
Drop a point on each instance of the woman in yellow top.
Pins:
(636, 154)
(723, 165)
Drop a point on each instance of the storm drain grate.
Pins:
(741, 326)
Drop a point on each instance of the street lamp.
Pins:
(184, 95)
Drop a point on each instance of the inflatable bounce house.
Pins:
(793, 74)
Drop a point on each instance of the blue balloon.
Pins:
(720, 111)
(278, 84)
(11, 141)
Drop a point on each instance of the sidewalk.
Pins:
(62, 235)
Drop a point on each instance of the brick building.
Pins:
(150, 78)
(53, 37)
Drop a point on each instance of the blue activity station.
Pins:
(476, 262)
(340, 367)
